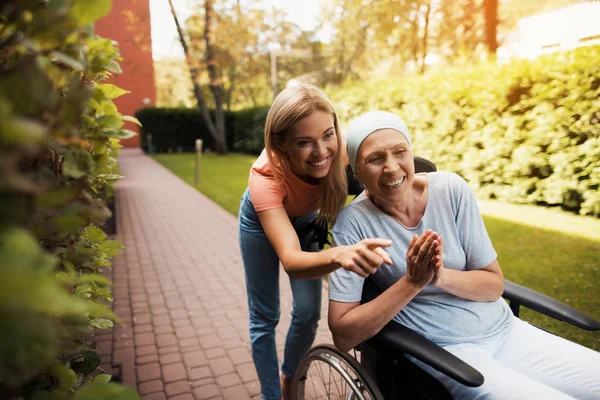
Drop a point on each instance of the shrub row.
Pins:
(59, 132)
(176, 129)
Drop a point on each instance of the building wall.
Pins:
(129, 24)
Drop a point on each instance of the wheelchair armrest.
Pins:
(520, 295)
(400, 337)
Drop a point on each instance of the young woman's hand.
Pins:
(423, 258)
(364, 257)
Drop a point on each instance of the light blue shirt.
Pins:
(452, 211)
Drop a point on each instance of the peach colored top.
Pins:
(297, 197)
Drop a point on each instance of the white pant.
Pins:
(527, 363)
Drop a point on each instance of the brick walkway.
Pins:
(180, 292)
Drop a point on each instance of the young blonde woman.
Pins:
(299, 177)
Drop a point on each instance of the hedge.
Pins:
(59, 133)
(176, 129)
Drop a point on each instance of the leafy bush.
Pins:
(522, 132)
(59, 133)
(176, 129)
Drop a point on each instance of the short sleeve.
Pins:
(345, 286)
(265, 193)
(473, 236)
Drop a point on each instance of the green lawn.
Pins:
(547, 250)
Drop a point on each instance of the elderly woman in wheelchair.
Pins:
(444, 286)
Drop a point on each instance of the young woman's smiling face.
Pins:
(311, 144)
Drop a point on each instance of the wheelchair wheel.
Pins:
(326, 373)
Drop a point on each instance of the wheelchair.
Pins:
(382, 368)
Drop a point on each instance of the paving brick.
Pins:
(209, 341)
(225, 381)
(216, 352)
(195, 374)
(175, 388)
(203, 382)
(206, 392)
(173, 372)
(247, 372)
(170, 358)
(221, 366)
(161, 320)
(194, 359)
(189, 343)
(142, 328)
(185, 396)
(148, 372)
(155, 396)
(179, 313)
(151, 387)
(253, 388)
(185, 332)
(235, 393)
(183, 322)
(167, 339)
(240, 355)
(164, 329)
(141, 319)
(146, 359)
(146, 350)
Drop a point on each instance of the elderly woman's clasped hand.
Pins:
(424, 259)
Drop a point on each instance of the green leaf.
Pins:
(117, 133)
(131, 119)
(64, 59)
(15, 131)
(109, 177)
(84, 12)
(113, 67)
(101, 323)
(57, 197)
(109, 122)
(105, 391)
(68, 223)
(94, 234)
(86, 364)
(66, 376)
(102, 378)
(112, 91)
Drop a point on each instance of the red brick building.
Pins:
(129, 24)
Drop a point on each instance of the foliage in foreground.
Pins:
(59, 132)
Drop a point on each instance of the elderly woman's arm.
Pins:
(353, 323)
(484, 284)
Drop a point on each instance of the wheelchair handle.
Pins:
(519, 295)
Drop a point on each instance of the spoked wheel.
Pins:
(326, 373)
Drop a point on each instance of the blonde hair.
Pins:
(290, 106)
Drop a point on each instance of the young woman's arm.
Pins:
(362, 258)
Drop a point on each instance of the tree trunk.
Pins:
(425, 36)
(490, 9)
(216, 86)
(217, 135)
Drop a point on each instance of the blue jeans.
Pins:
(261, 265)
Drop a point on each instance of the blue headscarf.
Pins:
(361, 127)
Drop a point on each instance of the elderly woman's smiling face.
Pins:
(385, 165)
